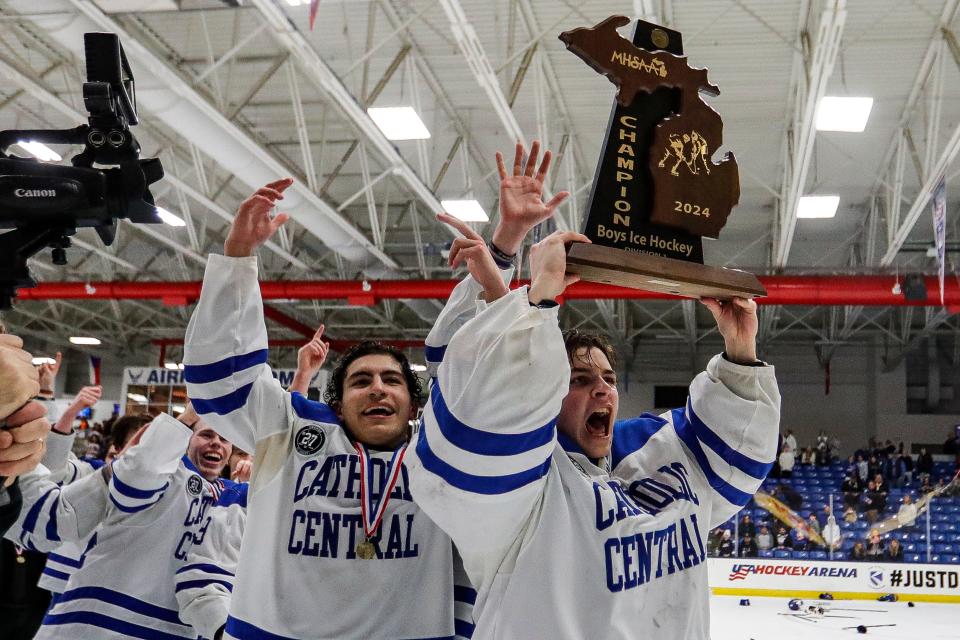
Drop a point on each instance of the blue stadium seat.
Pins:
(819, 555)
(910, 547)
(953, 559)
(912, 557)
(781, 554)
(765, 554)
(800, 555)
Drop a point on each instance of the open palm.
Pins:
(521, 196)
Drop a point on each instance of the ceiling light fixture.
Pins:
(84, 340)
(818, 206)
(843, 114)
(399, 123)
(39, 151)
(466, 210)
(137, 397)
(169, 218)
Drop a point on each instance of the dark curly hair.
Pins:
(576, 340)
(124, 428)
(333, 393)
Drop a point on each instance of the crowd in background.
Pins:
(868, 476)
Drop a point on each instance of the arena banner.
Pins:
(174, 377)
(851, 580)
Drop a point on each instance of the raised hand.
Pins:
(472, 251)
(87, 397)
(48, 375)
(738, 324)
(548, 266)
(311, 356)
(242, 471)
(521, 198)
(253, 225)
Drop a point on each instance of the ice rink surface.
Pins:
(771, 619)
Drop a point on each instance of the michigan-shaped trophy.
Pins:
(657, 189)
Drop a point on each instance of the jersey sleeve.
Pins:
(205, 583)
(225, 356)
(728, 428)
(464, 303)
(51, 514)
(142, 474)
(488, 431)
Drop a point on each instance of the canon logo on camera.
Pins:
(35, 193)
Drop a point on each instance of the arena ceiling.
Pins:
(230, 96)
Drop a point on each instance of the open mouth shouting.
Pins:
(598, 423)
(379, 411)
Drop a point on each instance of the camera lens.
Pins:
(96, 138)
(116, 138)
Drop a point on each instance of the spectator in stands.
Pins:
(925, 486)
(801, 542)
(807, 458)
(906, 463)
(873, 467)
(764, 539)
(748, 547)
(893, 470)
(862, 468)
(814, 523)
(823, 440)
(894, 552)
(713, 541)
(881, 484)
(851, 467)
(907, 513)
(727, 548)
(872, 503)
(783, 540)
(834, 448)
(889, 449)
(858, 553)
(831, 533)
(786, 461)
(790, 440)
(924, 464)
(875, 546)
(747, 527)
(849, 515)
(852, 488)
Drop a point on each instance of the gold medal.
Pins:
(21, 559)
(366, 551)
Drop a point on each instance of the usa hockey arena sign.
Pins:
(857, 580)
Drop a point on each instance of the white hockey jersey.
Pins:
(205, 581)
(556, 546)
(65, 468)
(158, 510)
(298, 574)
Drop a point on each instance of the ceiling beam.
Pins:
(815, 67)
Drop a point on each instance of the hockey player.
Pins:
(159, 500)
(331, 522)
(520, 459)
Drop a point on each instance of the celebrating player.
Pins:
(521, 460)
(333, 536)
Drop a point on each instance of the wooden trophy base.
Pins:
(654, 273)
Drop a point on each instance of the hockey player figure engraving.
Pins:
(569, 521)
(657, 189)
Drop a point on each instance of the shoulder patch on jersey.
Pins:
(309, 440)
(194, 485)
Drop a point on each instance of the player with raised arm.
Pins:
(334, 546)
(570, 522)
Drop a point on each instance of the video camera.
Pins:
(45, 203)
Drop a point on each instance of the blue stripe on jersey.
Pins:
(101, 621)
(53, 573)
(52, 520)
(464, 594)
(463, 628)
(434, 354)
(237, 494)
(312, 410)
(246, 631)
(124, 601)
(199, 584)
(630, 435)
(222, 405)
(30, 522)
(689, 438)
(746, 464)
(136, 509)
(486, 485)
(485, 443)
(132, 492)
(207, 568)
(64, 560)
(203, 373)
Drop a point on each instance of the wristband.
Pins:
(755, 363)
(503, 259)
(544, 304)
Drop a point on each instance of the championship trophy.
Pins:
(657, 190)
